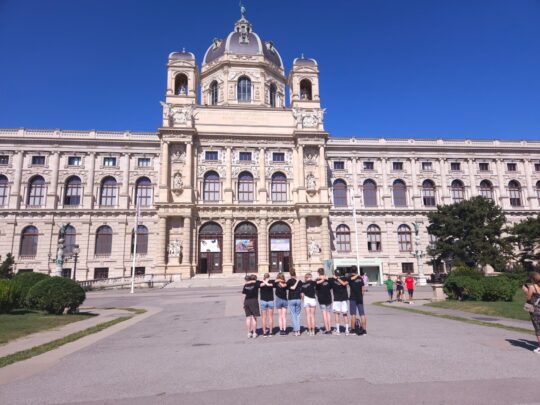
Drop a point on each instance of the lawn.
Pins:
(513, 310)
(20, 323)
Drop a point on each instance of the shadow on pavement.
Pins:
(523, 343)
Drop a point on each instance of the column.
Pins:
(262, 177)
(532, 200)
(164, 175)
(385, 186)
(186, 243)
(325, 230)
(323, 176)
(296, 182)
(302, 234)
(124, 191)
(161, 248)
(262, 243)
(16, 196)
(52, 192)
(472, 179)
(189, 165)
(502, 186)
(228, 195)
(301, 175)
(90, 160)
(415, 193)
(227, 247)
(444, 185)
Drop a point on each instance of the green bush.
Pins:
(6, 296)
(464, 271)
(464, 288)
(55, 294)
(22, 283)
(499, 288)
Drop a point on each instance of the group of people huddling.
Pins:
(340, 294)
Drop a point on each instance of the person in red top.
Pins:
(409, 283)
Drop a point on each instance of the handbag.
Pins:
(528, 308)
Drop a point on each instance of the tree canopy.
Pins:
(6, 268)
(526, 236)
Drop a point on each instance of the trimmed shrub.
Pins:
(6, 296)
(22, 284)
(499, 288)
(464, 288)
(55, 294)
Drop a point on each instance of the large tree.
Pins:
(6, 268)
(526, 237)
(470, 233)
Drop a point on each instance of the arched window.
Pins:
(245, 187)
(458, 191)
(244, 89)
(4, 185)
(108, 192)
(374, 238)
(142, 240)
(305, 90)
(272, 93)
(103, 241)
(214, 93)
(279, 187)
(486, 189)
(514, 191)
(29, 242)
(538, 190)
(210, 248)
(399, 191)
(73, 192)
(428, 193)
(404, 238)
(143, 192)
(369, 190)
(211, 189)
(245, 248)
(36, 192)
(181, 85)
(279, 250)
(340, 193)
(343, 238)
(70, 240)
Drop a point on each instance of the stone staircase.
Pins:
(203, 281)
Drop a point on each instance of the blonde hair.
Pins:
(266, 275)
(535, 277)
(281, 277)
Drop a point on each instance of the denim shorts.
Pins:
(354, 307)
(267, 305)
(326, 307)
(281, 303)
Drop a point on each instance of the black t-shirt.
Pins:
(251, 290)
(281, 292)
(340, 291)
(294, 294)
(324, 292)
(308, 288)
(356, 289)
(267, 293)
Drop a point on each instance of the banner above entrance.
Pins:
(210, 245)
(280, 245)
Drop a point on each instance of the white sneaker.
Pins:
(337, 332)
(347, 332)
(254, 335)
(249, 335)
(537, 350)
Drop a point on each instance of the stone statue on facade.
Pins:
(416, 228)
(60, 251)
(174, 249)
(310, 182)
(313, 248)
(178, 115)
(308, 118)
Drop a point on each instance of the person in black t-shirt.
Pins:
(251, 304)
(340, 305)
(281, 302)
(324, 296)
(266, 287)
(310, 303)
(356, 302)
(295, 304)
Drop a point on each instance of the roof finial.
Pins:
(183, 49)
(302, 56)
(242, 9)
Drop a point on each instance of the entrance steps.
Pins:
(215, 280)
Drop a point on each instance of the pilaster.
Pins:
(262, 191)
(52, 191)
(164, 173)
(88, 202)
(262, 242)
(16, 192)
(227, 247)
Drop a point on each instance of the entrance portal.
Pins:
(210, 248)
(280, 247)
(245, 248)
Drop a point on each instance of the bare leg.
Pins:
(248, 324)
(253, 325)
(263, 321)
(363, 322)
(346, 321)
(270, 317)
(353, 321)
(327, 322)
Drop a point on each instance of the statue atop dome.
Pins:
(242, 9)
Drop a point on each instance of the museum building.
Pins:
(239, 179)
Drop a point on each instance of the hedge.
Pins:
(473, 288)
(56, 294)
(6, 296)
(22, 283)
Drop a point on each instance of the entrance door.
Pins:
(245, 248)
(280, 247)
(210, 248)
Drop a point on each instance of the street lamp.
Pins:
(75, 251)
(419, 255)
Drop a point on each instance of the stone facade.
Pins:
(236, 179)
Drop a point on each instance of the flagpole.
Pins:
(135, 230)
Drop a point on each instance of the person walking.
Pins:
(281, 302)
(356, 303)
(251, 304)
(400, 289)
(295, 304)
(409, 283)
(390, 288)
(266, 288)
(532, 293)
(365, 279)
(340, 306)
(308, 298)
(324, 296)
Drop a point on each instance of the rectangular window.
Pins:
(66, 273)
(484, 167)
(407, 268)
(278, 157)
(427, 166)
(143, 162)
(245, 156)
(397, 166)
(109, 161)
(339, 165)
(101, 272)
(537, 167)
(512, 167)
(38, 160)
(4, 159)
(455, 166)
(369, 166)
(211, 155)
(74, 161)
(25, 271)
(139, 271)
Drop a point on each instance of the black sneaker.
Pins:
(282, 333)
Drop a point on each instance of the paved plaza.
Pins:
(191, 348)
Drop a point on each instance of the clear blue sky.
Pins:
(393, 68)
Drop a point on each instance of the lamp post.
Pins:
(75, 252)
(419, 254)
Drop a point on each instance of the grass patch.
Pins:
(21, 323)
(512, 310)
(458, 318)
(34, 351)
